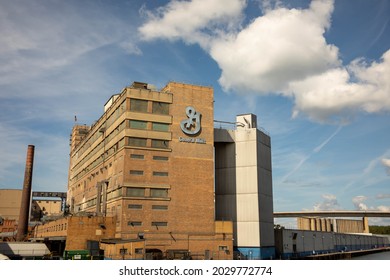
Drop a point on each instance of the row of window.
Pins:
(140, 105)
(153, 224)
(141, 157)
(155, 173)
(132, 141)
(58, 227)
(137, 124)
(136, 105)
(132, 192)
(143, 142)
(141, 192)
(140, 207)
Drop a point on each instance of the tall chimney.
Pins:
(26, 195)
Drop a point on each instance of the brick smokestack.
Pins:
(26, 195)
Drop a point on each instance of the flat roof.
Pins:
(24, 249)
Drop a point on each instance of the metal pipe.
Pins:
(26, 196)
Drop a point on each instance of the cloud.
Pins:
(382, 196)
(279, 47)
(130, 47)
(384, 208)
(386, 164)
(191, 21)
(282, 52)
(45, 36)
(315, 150)
(358, 202)
(329, 203)
(50, 170)
(365, 178)
(344, 91)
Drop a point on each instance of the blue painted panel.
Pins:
(256, 253)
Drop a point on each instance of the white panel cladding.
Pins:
(246, 179)
(246, 153)
(247, 208)
(248, 234)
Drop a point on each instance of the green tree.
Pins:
(379, 229)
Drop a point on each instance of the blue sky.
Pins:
(316, 74)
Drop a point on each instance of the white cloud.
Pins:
(382, 196)
(344, 91)
(191, 20)
(384, 208)
(358, 202)
(131, 48)
(329, 203)
(284, 51)
(386, 164)
(277, 48)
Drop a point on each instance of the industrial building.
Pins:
(155, 165)
(334, 225)
(149, 162)
(44, 205)
(156, 177)
(297, 244)
(155, 162)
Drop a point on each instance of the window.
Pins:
(136, 172)
(161, 174)
(138, 124)
(138, 142)
(223, 248)
(160, 108)
(160, 126)
(161, 144)
(138, 251)
(138, 105)
(136, 156)
(159, 224)
(134, 223)
(123, 251)
(134, 206)
(160, 207)
(136, 192)
(160, 158)
(159, 192)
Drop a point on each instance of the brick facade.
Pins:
(138, 165)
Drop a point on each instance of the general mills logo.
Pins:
(191, 126)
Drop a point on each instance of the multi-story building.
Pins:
(243, 173)
(149, 163)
